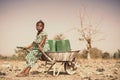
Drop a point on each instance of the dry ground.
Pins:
(87, 70)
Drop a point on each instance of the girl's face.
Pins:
(39, 27)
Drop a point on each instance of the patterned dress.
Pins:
(31, 57)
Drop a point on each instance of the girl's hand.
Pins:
(40, 48)
(26, 47)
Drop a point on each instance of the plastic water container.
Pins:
(63, 46)
(52, 44)
(59, 45)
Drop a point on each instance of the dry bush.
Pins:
(106, 55)
(95, 53)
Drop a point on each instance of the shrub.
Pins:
(95, 53)
(117, 55)
(81, 55)
(84, 54)
(106, 55)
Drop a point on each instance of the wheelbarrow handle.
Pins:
(47, 56)
(19, 47)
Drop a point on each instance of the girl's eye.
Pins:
(39, 25)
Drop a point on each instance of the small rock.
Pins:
(100, 70)
(10, 69)
(111, 77)
(35, 72)
(2, 74)
(87, 78)
(17, 70)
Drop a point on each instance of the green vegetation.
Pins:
(13, 57)
(106, 55)
(19, 55)
(117, 55)
(95, 53)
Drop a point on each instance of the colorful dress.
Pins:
(32, 58)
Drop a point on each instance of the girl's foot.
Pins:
(22, 75)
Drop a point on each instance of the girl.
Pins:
(38, 45)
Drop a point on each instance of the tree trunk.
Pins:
(88, 49)
(88, 55)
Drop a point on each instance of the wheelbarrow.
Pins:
(67, 60)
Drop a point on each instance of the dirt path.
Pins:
(87, 70)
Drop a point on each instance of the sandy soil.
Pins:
(87, 70)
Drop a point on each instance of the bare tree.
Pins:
(59, 37)
(88, 31)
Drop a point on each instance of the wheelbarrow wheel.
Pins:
(70, 67)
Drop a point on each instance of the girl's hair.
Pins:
(40, 21)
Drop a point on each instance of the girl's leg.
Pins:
(31, 59)
(24, 70)
(27, 71)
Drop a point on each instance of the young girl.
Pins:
(38, 45)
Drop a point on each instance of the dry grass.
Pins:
(96, 69)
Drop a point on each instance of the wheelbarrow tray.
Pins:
(60, 56)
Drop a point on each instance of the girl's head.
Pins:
(40, 26)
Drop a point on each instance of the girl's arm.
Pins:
(42, 43)
(29, 46)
